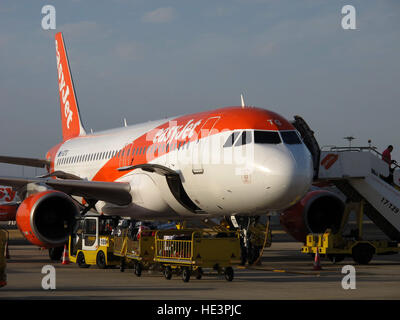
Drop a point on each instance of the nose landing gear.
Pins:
(254, 237)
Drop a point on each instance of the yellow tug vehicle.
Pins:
(92, 242)
(337, 246)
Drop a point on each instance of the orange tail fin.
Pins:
(70, 118)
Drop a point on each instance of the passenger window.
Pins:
(290, 137)
(267, 137)
(244, 139)
(231, 140)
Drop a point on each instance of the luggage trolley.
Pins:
(135, 247)
(189, 251)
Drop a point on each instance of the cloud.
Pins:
(160, 15)
(129, 51)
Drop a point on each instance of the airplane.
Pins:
(238, 160)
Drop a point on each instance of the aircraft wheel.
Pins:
(55, 254)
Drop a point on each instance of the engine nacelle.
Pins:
(46, 218)
(317, 211)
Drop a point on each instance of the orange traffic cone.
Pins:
(317, 261)
(65, 258)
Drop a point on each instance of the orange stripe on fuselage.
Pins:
(186, 129)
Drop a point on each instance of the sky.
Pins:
(147, 60)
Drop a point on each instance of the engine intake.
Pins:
(317, 211)
(46, 218)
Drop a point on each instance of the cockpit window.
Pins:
(244, 139)
(231, 140)
(290, 137)
(267, 137)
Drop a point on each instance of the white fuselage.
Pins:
(248, 179)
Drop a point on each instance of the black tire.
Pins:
(80, 260)
(362, 253)
(122, 265)
(335, 258)
(229, 274)
(199, 274)
(168, 273)
(186, 274)
(138, 269)
(55, 254)
(101, 260)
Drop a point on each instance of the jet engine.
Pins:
(46, 218)
(317, 211)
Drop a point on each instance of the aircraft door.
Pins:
(125, 155)
(202, 148)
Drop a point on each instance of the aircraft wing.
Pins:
(30, 162)
(114, 192)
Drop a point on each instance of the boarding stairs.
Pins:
(361, 174)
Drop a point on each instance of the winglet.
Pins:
(70, 118)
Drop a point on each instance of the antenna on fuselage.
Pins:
(242, 100)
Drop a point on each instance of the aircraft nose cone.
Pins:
(288, 175)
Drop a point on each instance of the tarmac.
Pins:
(284, 273)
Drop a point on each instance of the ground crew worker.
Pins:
(387, 157)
